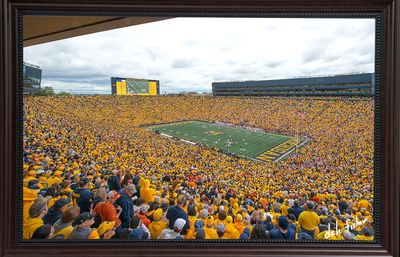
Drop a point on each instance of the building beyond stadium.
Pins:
(362, 84)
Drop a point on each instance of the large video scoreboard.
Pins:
(133, 86)
(32, 75)
(32, 78)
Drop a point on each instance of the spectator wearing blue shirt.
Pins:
(125, 201)
(55, 212)
(296, 210)
(84, 197)
(284, 232)
(176, 212)
(113, 181)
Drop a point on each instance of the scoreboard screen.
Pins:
(32, 75)
(133, 86)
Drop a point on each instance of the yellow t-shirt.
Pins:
(309, 220)
(210, 233)
(30, 226)
(284, 209)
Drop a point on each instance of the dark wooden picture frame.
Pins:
(387, 183)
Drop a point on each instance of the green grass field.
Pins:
(242, 142)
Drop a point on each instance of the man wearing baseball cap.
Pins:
(126, 204)
(34, 221)
(309, 220)
(176, 212)
(55, 212)
(284, 232)
(173, 233)
(84, 197)
(113, 181)
(83, 229)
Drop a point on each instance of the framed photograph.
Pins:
(221, 129)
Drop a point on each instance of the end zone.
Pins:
(282, 150)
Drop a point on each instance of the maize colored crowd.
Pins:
(93, 171)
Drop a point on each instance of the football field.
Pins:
(238, 141)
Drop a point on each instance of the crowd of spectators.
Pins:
(93, 171)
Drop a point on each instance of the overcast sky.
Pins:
(188, 54)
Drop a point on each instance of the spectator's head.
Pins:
(221, 229)
(144, 209)
(198, 224)
(246, 234)
(283, 222)
(181, 201)
(83, 182)
(191, 210)
(259, 232)
(112, 196)
(157, 214)
(135, 222)
(38, 209)
(239, 217)
(179, 224)
(210, 221)
(33, 184)
(130, 190)
(61, 204)
(210, 210)
(203, 214)
(70, 213)
(85, 219)
(101, 193)
(222, 215)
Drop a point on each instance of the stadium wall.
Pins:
(339, 85)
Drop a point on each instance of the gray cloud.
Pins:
(183, 63)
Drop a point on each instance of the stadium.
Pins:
(288, 159)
